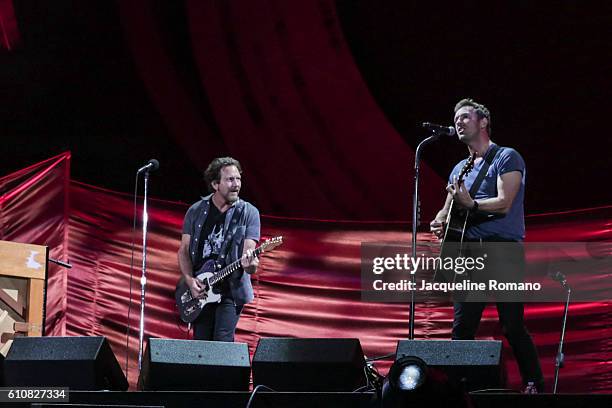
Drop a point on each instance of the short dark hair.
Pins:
(481, 110)
(213, 171)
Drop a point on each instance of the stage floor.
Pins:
(308, 399)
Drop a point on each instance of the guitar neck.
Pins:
(451, 208)
(231, 268)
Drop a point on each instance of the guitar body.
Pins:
(456, 224)
(189, 307)
(452, 242)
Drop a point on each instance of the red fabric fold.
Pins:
(34, 210)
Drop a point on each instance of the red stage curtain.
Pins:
(34, 210)
(309, 287)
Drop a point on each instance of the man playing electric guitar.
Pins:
(497, 205)
(218, 230)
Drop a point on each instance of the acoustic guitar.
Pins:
(457, 221)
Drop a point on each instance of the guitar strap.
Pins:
(484, 169)
(229, 234)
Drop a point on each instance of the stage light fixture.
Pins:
(411, 382)
(407, 374)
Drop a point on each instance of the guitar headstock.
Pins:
(271, 243)
(467, 167)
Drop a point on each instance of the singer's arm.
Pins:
(249, 261)
(508, 185)
(186, 266)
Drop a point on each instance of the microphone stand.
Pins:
(143, 279)
(559, 360)
(63, 264)
(416, 212)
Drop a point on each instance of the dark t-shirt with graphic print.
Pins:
(248, 226)
(211, 241)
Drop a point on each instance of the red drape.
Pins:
(9, 30)
(34, 209)
(309, 287)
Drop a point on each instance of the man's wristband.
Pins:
(475, 206)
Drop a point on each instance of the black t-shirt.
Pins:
(212, 235)
(211, 240)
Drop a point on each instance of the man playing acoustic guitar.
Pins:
(497, 221)
(218, 230)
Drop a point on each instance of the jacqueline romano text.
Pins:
(406, 285)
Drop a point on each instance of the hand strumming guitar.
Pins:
(437, 227)
(195, 287)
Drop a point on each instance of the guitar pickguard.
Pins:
(210, 295)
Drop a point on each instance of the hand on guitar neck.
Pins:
(460, 194)
(249, 260)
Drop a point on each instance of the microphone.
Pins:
(439, 129)
(558, 277)
(151, 165)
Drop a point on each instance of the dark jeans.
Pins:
(505, 262)
(217, 321)
(466, 322)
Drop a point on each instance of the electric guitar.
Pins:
(457, 220)
(190, 307)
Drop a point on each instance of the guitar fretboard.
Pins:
(233, 267)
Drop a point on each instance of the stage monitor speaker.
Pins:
(80, 363)
(288, 364)
(195, 365)
(473, 364)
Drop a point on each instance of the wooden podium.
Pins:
(23, 277)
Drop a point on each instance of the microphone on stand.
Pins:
(560, 358)
(558, 277)
(436, 132)
(151, 165)
(439, 129)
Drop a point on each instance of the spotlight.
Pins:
(407, 374)
(411, 382)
